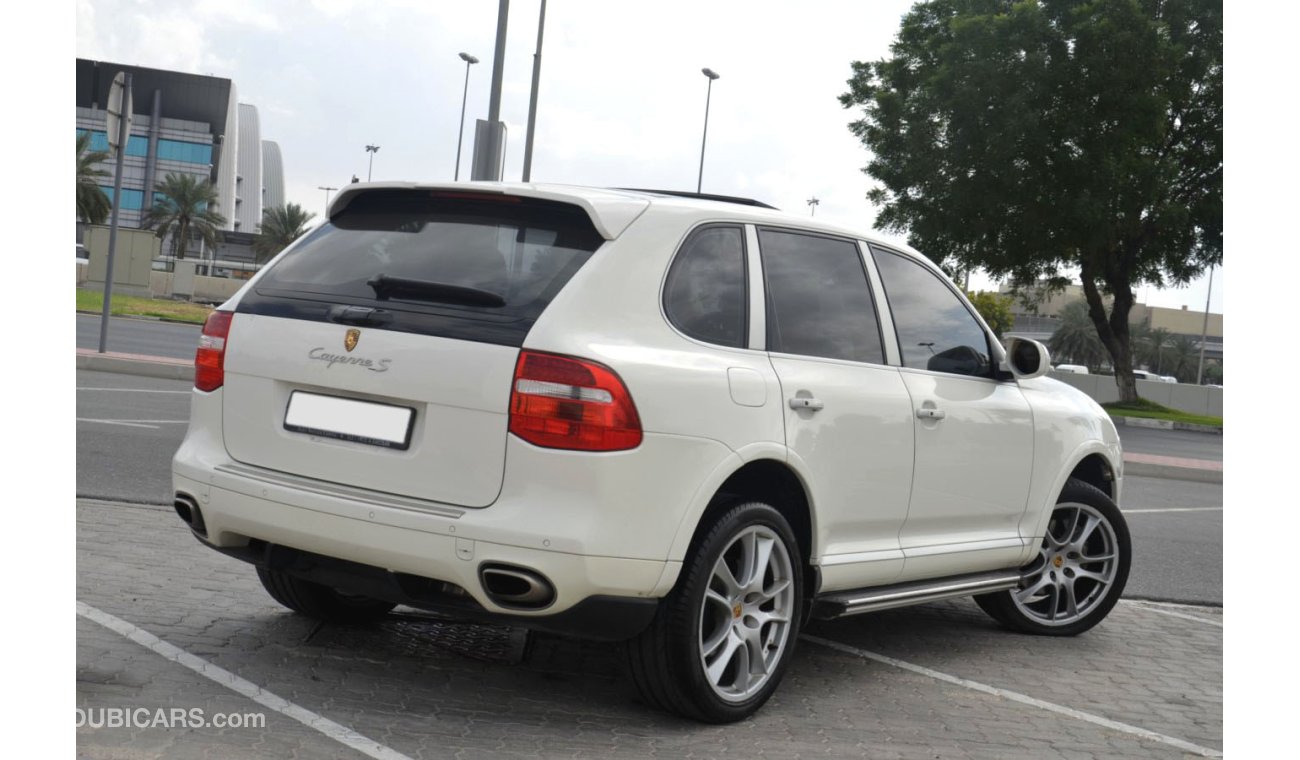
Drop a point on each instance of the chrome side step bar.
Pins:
(857, 601)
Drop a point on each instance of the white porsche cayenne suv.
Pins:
(688, 423)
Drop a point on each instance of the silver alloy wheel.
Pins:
(1074, 568)
(746, 612)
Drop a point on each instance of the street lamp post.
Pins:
(1205, 328)
(327, 190)
(812, 206)
(712, 75)
(372, 150)
(469, 60)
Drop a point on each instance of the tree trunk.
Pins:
(1113, 328)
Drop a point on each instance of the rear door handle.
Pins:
(806, 402)
(931, 414)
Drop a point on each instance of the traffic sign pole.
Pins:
(119, 110)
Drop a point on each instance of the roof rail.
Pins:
(701, 196)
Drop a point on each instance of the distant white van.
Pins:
(1141, 374)
(1077, 369)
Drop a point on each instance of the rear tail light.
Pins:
(210, 359)
(564, 403)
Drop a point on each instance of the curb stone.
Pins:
(1145, 422)
(143, 317)
(132, 364)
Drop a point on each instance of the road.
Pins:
(128, 428)
(1172, 443)
(140, 336)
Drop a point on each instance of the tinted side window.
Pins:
(818, 300)
(935, 329)
(705, 293)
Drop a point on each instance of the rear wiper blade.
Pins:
(426, 290)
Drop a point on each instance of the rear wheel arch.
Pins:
(772, 482)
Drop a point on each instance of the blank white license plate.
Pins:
(350, 420)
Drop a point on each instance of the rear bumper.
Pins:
(416, 559)
(608, 618)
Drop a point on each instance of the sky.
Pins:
(621, 100)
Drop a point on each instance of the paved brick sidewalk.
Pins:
(431, 688)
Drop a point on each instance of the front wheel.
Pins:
(722, 639)
(1079, 573)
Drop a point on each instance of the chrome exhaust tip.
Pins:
(516, 587)
(187, 508)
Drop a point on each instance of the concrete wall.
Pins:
(1194, 399)
(207, 289)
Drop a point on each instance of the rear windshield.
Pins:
(455, 265)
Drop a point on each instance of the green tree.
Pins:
(1042, 137)
(996, 310)
(93, 205)
(1075, 340)
(281, 225)
(188, 207)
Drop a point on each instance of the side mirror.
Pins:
(1027, 358)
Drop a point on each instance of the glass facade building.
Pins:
(181, 124)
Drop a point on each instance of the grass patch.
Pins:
(134, 306)
(1151, 410)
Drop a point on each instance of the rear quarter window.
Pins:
(705, 295)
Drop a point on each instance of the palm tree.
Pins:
(1148, 345)
(281, 225)
(1182, 357)
(1076, 339)
(1159, 342)
(93, 205)
(188, 206)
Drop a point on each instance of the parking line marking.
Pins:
(1171, 613)
(1017, 697)
(147, 422)
(127, 423)
(339, 733)
(132, 390)
(1171, 509)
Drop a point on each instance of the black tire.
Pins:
(1067, 570)
(321, 602)
(666, 660)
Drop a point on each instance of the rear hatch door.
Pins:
(379, 352)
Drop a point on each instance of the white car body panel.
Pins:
(971, 473)
(857, 455)
(459, 391)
